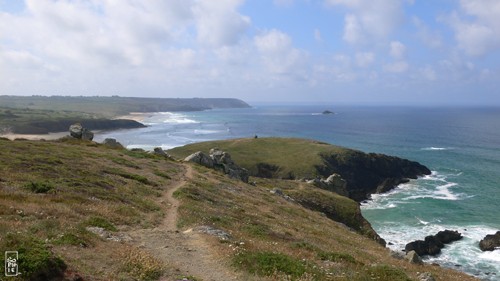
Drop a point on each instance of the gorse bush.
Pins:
(40, 187)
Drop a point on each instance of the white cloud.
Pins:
(397, 67)
(397, 49)
(365, 59)
(219, 23)
(477, 28)
(279, 55)
(369, 20)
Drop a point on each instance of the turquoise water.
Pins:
(460, 145)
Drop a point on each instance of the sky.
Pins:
(380, 52)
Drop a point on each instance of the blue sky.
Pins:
(383, 52)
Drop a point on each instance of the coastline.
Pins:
(136, 116)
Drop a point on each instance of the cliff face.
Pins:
(368, 173)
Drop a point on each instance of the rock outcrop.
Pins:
(219, 160)
(112, 143)
(333, 183)
(490, 242)
(433, 244)
(79, 132)
(413, 257)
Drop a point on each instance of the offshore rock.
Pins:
(433, 244)
(490, 242)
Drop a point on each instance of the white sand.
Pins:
(49, 136)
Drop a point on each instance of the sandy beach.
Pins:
(49, 136)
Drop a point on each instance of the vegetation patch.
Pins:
(268, 263)
(100, 222)
(337, 257)
(40, 187)
(386, 272)
(36, 261)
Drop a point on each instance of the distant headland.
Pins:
(48, 114)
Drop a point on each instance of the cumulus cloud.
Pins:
(369, 20)
(476, 26)
(279, 55)
(219, 23)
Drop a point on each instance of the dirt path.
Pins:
(187, 252)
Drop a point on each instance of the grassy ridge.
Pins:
(297, 158)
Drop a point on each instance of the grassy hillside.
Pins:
(277, 157)
(52, 192)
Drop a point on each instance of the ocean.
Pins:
(460, 145)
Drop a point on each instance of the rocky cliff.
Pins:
(368, 173)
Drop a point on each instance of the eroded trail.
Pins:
(188, 252)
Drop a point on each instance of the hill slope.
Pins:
(298, 158)
(82, 209)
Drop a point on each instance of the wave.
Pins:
(432, 148)
(465, 252)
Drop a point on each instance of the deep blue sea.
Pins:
(460, 145)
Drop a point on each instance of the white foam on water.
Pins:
(432, 148)
(168, 118)
(206, 132)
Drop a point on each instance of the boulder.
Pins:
(87, 135)
(490, 242)
(112, 143)
(159, 151)
(200, 158)
(79, 132)
(76, 130)
(433, 244)
(413, 257)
